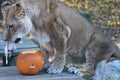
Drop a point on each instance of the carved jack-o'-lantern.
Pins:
(30, 62)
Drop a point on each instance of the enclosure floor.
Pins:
(11, 73)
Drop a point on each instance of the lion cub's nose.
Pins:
(4, 39)
(17, 40)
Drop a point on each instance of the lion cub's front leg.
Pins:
(58, 65)
(59, 61)
(59, 34)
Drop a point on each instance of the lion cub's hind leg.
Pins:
(100, 48)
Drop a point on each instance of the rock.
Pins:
(108, 70)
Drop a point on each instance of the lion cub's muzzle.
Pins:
(17, 40)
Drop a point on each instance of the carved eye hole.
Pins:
(11, 26)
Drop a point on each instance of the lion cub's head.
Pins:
(16, 23)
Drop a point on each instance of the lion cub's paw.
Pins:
(54, 70)
(74, 70)
(87, 73)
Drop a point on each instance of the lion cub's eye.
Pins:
(11, 26)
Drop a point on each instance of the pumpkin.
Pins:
(30, 62)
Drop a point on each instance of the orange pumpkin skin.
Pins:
(30, 62)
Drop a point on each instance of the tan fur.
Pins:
(60, 31)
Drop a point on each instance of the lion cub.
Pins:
(60, 32)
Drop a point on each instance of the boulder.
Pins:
(108, 70)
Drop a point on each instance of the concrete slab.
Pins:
(11, 73)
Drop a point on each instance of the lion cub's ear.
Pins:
(53, 5)
(19, 11)
(5, 7)
(5, 4)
